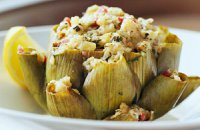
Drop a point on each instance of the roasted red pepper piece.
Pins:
(120, 19)
(167, 73)
(67, 19)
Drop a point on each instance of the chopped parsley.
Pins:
(146, 35)
(134, 59)
(96, 41)
(77, 28)
(117, 38)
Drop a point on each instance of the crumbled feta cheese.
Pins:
(87, 20)
(115, 11)
(107, 28)
(75, 20)
(104, 20)
(74, 41)
(128, 25)
(105, 38)
(92, 9)
(113, 51)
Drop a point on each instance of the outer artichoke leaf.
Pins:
(162, 94)
(143, 64)
(109, 84)
(34, 75)
(169, 57)
(69, 103)
(67, 63)
(193, 84)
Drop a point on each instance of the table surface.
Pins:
(184, 14)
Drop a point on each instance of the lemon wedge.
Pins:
(16, 36)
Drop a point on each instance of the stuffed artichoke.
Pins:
(107, 62)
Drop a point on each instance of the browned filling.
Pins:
(175, 75)
(133, 113)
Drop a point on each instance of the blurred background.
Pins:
(175, 13)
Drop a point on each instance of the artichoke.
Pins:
(94, 65)
(162, 93)
(109, 84)
(33, 64)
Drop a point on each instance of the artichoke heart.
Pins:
(33, 64)
(64, 63)
(193, 84)
(64, 101)
(169, 57)
(163, 92)
(109, 84)
(143, 64)
(133, 113)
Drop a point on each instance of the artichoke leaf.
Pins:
(33, 65)
(193, 84)
(143, 64)
(162, 94)
(68, 103)
(109, 84)
(169, 57)
(69, 63)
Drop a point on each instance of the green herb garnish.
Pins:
(133, 60)
(117, 38)
(77, 28)
(96, 41)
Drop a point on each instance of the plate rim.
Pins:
(192, 124)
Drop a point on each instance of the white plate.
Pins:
(17, 103)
